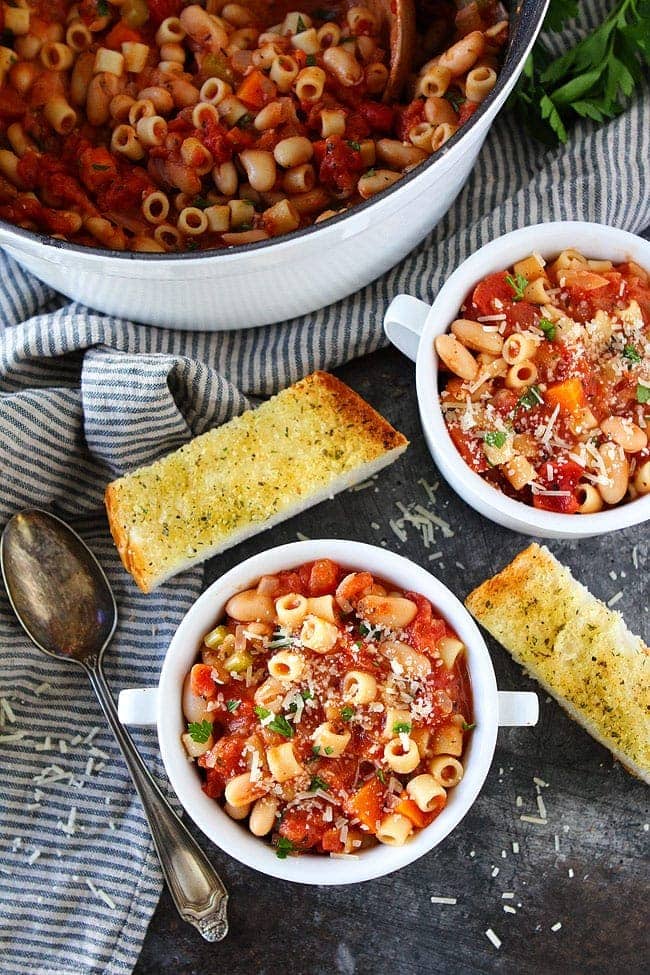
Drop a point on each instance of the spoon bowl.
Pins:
(65, 604)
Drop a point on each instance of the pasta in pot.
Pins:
(335, 725)
(547, 386)
(105, 106)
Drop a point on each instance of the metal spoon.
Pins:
(64, 603)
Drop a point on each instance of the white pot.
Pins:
(276, 280)
(412, 326)
(162, 706)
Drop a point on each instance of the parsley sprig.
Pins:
(548, 328)
(283, 847)
(279, 724)
(495, 438)
(594, 79)
(199, 731)
(518, 283)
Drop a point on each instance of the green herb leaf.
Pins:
(311, 61)
(455, 98)
(363, 629)
(642, 393)
(518, 283)
(468, 727)
(329, 750)
(532, 397)
(318, 783)
(355, 145)
(631, 354)
(232, 705)
(322, 13)
(283, 847)
(300, 25)
(281, 726)
(102, 8)
(200, 731)
(347, 712)
(315, 749)
(245, 120)
(402, 728)
(495, 438)
(201, 203)
(307, 695)
(261, 712)
(99, 168)
(548, 328)
(381, 775)
(558, 12)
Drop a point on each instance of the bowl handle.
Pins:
(137, 707)
(518, 709)
(403, 323)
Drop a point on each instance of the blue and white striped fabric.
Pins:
(84, 397)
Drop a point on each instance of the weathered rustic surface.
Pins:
(595, 809)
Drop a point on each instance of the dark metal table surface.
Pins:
(587, 870)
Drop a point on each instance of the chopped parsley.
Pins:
(315, 749)
(532, 397)
(347, 712)
(642, 393)
(632, 355)
(401, 727)
(363, 629)
(281, 726)
(246, 119)
(468, 727)
(233, 705)
(192, 245)
(199, 731)
(102, 8)
(307, 695)
(261, 712)
(300, 25)
(328, 749)
(283, 847)
(354, 145)
(311, 61)
(495, 438)
(318, 783)
(455, 99)
(548, 328)
(279, 639)
(201, 203)
(99, 168)
(381, 775)
(321, 13)
(518, 283)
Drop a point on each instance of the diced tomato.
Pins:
(565, 477)
(323, 577)
(241, 138)
(304, 828)
(466, 111)
(426, 629)
(367, 803)
(408, 117)
(521, 314)
(11, 104)
(228, 761)
(340, 166)
(97, 168)
(127, 191)
(160, 10)
(121, 34)
(290, 581)
(201, 681)
(331, 841)
(378, 116)
(241, 720)
(256, 90)
(473, 457)
(492, 288)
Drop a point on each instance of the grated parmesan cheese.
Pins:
(491, 936)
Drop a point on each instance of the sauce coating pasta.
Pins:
(330, 710)
(162, 125)
(547, 392)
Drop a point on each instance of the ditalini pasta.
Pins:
(546, 385)
(120, 121)
(329, 710)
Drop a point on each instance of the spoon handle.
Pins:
(197, 891)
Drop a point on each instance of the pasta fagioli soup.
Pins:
(161, 125)
(329, 711)
(545, 382)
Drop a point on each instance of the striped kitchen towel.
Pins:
(84, 397)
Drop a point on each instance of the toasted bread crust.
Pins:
(576, 647)
(311, 440)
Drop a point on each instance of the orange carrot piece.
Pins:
(407, 807)
(568, 395)
(367, 803)
(256, 90)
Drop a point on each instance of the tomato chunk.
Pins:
(367, 803)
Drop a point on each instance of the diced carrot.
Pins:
(331, 841)
(323, 577)
(407, 807)
(121, 34)
(568, 395)
(256, 90)
(366, 804)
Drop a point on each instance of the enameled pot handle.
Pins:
(403, 323)
(137, 707)
(518, 709)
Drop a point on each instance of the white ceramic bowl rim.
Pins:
(548, 239)
(233, 837)
(516, 53)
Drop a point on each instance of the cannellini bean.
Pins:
(617, 470)
(194, 706)
(473, 335)
(456, 357)
(642, 478)
(394, 612)
(250, 605)
(625, 433)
